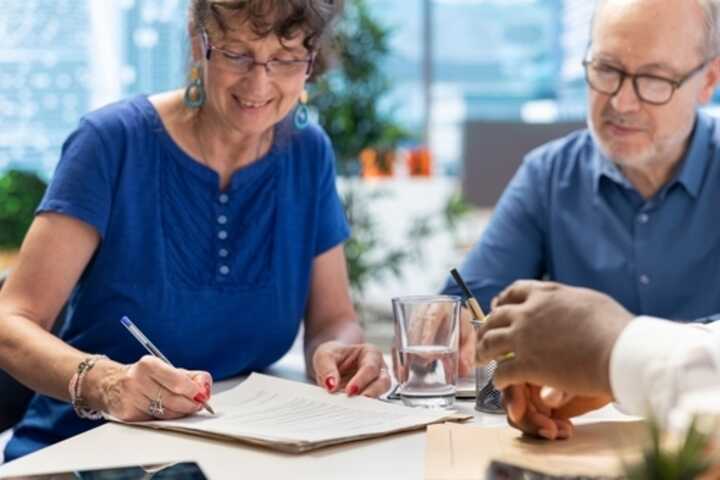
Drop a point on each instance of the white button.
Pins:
(223, 198)
(643, 218)
(644, 279)
(222, 219)
(222, 234)
(224, 269)
(223, 252)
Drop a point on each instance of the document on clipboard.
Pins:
(296, 417)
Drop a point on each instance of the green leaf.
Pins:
(686, 462)
(20, 193)
(347, 97)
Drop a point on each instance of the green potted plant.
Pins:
(346, 100)
(20, 193)
(688, 460)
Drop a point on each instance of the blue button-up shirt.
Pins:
(571, 216)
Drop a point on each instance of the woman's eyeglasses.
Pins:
(242, 63)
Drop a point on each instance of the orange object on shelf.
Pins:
(377, 164)
(420, 162)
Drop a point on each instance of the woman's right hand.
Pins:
(127, 391)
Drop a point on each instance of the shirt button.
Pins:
(643, 218)
(644, 279)
(223, 252)
(223, 198)
(222, 235)
(224, 269)
(222, 219)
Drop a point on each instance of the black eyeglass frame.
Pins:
(209, 48)
(675, 84)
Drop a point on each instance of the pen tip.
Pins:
(126, 321)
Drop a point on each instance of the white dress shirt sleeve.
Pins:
(655, 361)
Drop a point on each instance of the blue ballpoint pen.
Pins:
(152, 349)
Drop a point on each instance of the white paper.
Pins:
(293, 416)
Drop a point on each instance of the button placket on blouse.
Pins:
(222, 235)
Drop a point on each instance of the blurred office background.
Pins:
(512, 60)
(475, 83)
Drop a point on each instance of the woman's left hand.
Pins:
(358, 369)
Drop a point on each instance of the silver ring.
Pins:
(156, 409)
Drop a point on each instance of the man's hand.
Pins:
(467, 344)
(560, 336)
(534, 411)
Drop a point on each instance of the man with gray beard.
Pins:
(628, 206)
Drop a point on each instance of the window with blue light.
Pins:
(514, 60)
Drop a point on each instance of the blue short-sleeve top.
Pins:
(218, 280)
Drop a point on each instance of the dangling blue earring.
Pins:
(195, 91)
(302, 112)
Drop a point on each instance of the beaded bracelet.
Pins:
(75, 389)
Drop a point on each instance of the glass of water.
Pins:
(426, 338)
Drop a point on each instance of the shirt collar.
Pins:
(604, 167)
(691, 170)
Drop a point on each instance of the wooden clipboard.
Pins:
(599, 449)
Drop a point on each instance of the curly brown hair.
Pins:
(283, 18)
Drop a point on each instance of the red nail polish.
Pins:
(354, 390)
(200, 398)
(330, 383)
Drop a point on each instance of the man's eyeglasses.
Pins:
(651, 89)
(242, 63)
